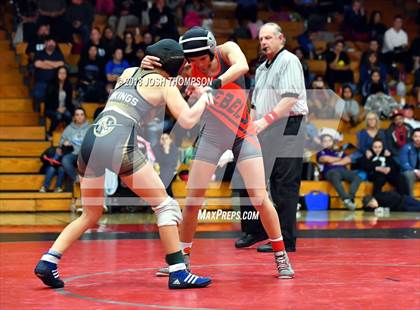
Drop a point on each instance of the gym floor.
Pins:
(345, 260)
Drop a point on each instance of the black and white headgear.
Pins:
(198, 41)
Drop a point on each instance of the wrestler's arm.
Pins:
(237, 61)
(186, 116)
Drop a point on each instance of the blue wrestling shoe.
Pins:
(48, 275)
(184, 279)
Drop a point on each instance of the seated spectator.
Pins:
(354, 24)
(28, 14)
(305, 41)
(59, 100)
(196, 11)
(348, 109)
(392, 200)
(242, 32)
(110, 42)
(376, 27)
(51, 160)
(46, 63)
(395, 47)
(79, 15)
(246, 9)
(52, 13)
(308, 75)
(312, 141)
(95, 40)
(381, 168)
(366, 136)
(167, 157)
(338, 66)
(126, 14)
(334, 170)
(321, 101)
(147, 40)
(410, 160)
(37, 42)
(398, 134)
(91, 86)
(409, 119)
(70, 143)
(367, 68)
(374, 46)
(114, 68)
(130, 49)
(162, 21)
(104, 7)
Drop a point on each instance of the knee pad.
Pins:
(168, 213)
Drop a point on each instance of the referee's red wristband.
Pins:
(271, 117)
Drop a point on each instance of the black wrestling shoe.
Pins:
(248, 240)
(48, 275)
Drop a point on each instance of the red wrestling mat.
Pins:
(119, 274)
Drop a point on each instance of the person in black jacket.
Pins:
(381, 168)
(58, 100)
(391, 200)
(51, 159)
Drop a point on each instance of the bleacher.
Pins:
(22, 138)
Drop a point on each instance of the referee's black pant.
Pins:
(282, 148)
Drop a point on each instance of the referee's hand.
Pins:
(260, 125)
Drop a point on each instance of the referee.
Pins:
(279, 106)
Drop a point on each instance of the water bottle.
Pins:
(401, 89)
(316, 174)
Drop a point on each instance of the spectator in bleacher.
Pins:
(52, 13)
(348, 109)
(167, 157)
(374, 46)
(321, 103)
(376, 27)
(28, 13)
(51, 159)
(242, 31)
(59, 100)
(110, 42)
(105, 7)
(306, 44)
(95, 40)
(395, 45)
(147, 40)
(366, 136)
(306, 73)
(45, 62)
(398, 134)
(382, 168)
(246, 9)
(409, 119)
(91, 84)
(114, 68)
(126, 14)
(79, 15)
(130, 49)
(196, 11)
(162, 21)
(355, 24)
(334, 170)
(338, 65)
(410, 160)
(71, 140)
(37, 42)
(372, 63)
(392, 200)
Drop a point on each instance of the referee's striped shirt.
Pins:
(283, 77)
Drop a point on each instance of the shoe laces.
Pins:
(282, 262)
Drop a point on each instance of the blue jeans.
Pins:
(56, 118)
(38, 93)
(69, 164)
(50, 171)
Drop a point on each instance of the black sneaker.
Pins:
(47, 275)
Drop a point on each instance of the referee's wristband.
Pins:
(271, 117)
